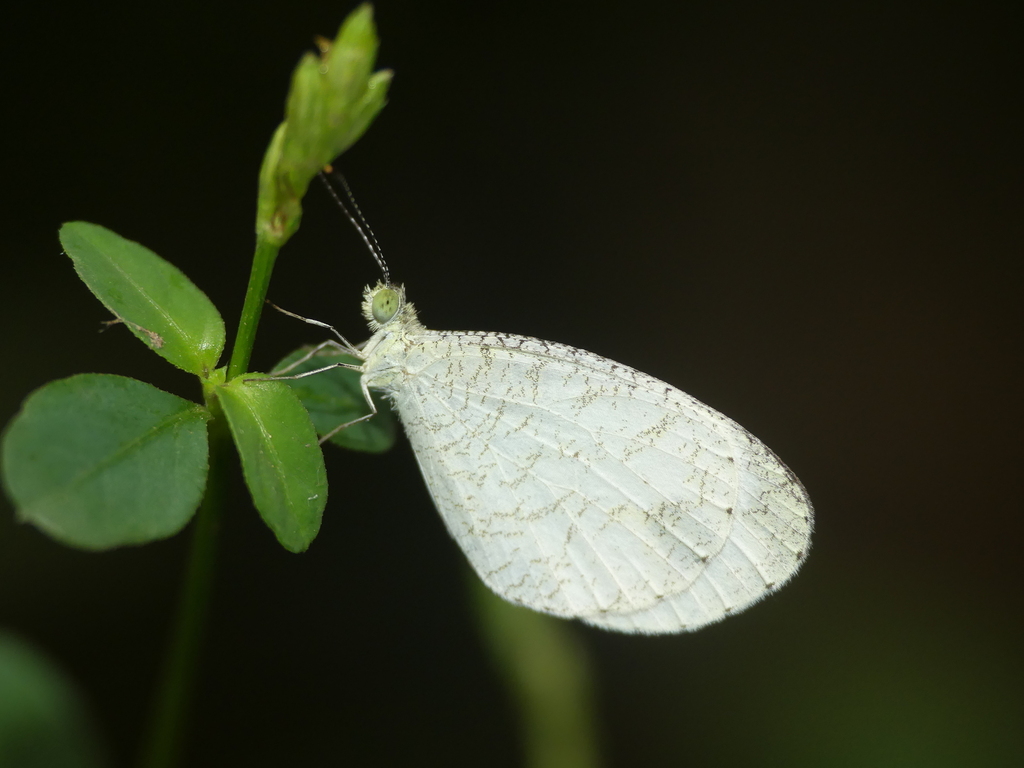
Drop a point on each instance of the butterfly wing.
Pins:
(583, 488)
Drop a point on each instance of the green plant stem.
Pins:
(255, 297)
(163, 743)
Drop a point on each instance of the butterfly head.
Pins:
(385, 306)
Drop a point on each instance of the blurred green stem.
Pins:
(546, 669)
(163, 743)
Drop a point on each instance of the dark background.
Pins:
(807, 215)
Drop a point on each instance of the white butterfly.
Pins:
(579, 486)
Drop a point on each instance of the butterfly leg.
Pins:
(304, 374)
(348, 346)
(370, 415)
(312, 353)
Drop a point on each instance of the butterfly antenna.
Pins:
(357, 218)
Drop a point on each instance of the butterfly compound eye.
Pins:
(385, 305)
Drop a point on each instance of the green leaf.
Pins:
(43, 723)
(99, 461)
(332, 101)
(334, 397)
(281, 459)
(151, 296)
